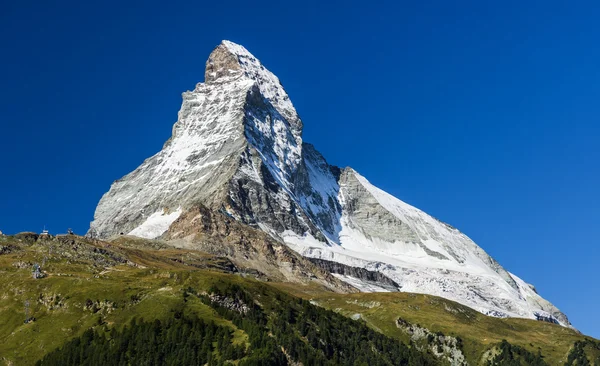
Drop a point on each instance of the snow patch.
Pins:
(156, 224)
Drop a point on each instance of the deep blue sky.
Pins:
(485, 116)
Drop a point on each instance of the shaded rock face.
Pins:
(260, 192)
(236, 166)
(364, 212)
(370, 277)
(546, 318)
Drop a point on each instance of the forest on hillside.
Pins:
(288, 330)
(284, 330)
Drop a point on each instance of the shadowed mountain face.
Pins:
(237, 153)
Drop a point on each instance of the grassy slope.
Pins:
(479, 332)
(153, 289)
(149, 293)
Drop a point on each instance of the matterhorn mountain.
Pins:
(236, 166)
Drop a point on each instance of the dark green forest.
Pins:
(183, 341)
(578, 357)
(280, 331)
(306, 333)
(316, 336)
(511, 355)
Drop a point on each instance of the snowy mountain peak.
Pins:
(230, 61)
(222, 64)
(237, 150)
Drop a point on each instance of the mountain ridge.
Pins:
(237, 149)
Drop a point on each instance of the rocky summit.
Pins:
(236, 179)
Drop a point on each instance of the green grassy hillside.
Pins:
(90, 292)
(478, 332)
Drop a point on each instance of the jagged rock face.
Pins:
(253, 251)
(376, 280)
(236, 154)
(442, 346)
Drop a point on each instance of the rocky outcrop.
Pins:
(99, 306)
(6, 249)
(221, 64)
(442, 346)
(370, 277)
(51, 301)
(27, 236)
(546, 318)
(229, 303)
(78, 248)
(251, 250)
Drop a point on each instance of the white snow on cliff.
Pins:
(428, 257)
(156, 224)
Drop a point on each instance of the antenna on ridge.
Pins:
(27, 318)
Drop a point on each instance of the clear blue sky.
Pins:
(485, 116)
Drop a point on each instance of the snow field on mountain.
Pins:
(156, 224)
